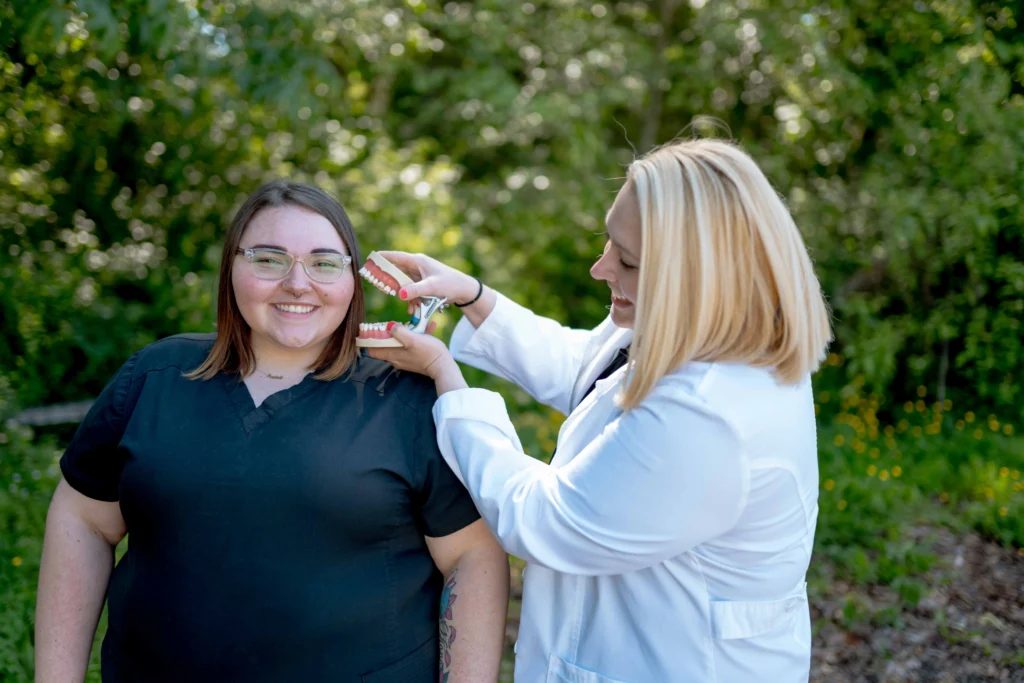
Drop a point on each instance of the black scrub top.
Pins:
(275, 543)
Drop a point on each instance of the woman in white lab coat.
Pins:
(669, 537)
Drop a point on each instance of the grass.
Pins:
(885, 469)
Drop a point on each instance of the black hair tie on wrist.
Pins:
(475, 298)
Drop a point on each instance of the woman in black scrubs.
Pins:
(290, 516)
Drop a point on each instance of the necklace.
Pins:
(269, 376)
(275, 377)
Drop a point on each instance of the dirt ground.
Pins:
(969, 626)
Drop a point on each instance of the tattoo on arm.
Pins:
(445, 628)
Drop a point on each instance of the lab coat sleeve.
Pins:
(536, 353)
(658, 481)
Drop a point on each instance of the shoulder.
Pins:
(731, 384)
(740, 395)
(750, 399)
(184, 352)
(686, 402)
(416, 392)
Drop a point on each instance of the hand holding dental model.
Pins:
(435, 282)
(392, 281)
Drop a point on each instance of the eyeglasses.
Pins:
(272, 264)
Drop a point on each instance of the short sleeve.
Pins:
(93, 460)
(444, 504)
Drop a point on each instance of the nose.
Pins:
(296, 282)
(601, 270)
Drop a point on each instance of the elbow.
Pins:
(486, 554)
(486, 560)
(571, 550)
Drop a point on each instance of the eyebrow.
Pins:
(322, 250)
(618, 246)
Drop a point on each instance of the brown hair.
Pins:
(232, 351)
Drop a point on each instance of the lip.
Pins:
(622, 303)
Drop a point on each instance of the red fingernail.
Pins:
(390, 325)
(403, 295)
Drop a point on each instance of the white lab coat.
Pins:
(669, 544)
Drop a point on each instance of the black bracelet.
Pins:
(475, 298)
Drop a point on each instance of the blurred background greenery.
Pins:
(493, 135)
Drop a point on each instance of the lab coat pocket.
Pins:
(746, 619)
(561, 671)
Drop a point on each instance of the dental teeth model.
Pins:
(389, 279)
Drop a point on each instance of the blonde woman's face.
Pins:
(619, 265)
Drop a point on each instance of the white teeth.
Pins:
(376, 282)
(289, 308)
(371, 327)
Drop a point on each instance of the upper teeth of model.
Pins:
(293, 308)
(380, 285)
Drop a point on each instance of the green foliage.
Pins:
(929, 465)
(493, 135)
(28, 473)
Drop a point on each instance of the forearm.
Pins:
(477, 312)
(472, 623)
(538, 354)
(73, 577)
(447, 375)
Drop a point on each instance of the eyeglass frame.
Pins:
(250, 253)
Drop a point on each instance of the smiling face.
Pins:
(293, 315)
(619, 265)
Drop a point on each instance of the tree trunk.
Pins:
(652, 117)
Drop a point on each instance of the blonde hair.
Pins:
(724, 273)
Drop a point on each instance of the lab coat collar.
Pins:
(601, 348)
